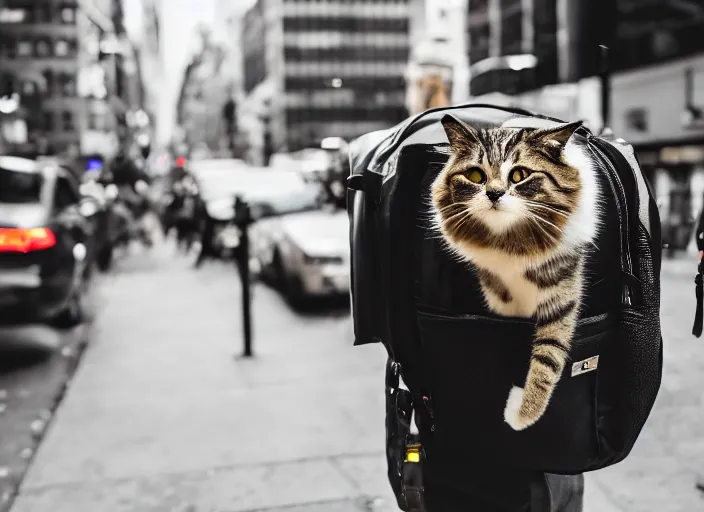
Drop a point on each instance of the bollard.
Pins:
(243, 219)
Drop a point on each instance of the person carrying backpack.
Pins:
(510, 265)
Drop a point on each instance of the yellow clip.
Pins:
(413, 453)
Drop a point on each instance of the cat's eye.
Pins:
(518, 174)
(475, 175)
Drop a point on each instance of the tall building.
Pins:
(204, 90)
(59, 57)
(145, 32)
(512, 45)
(318, 69)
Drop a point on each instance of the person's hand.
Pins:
(701, 254)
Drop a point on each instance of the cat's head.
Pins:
(506, 188)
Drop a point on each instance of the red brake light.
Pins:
(180, 161)
(26, 240)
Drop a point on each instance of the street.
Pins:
(163, 414)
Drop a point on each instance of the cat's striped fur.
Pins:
(525, 235)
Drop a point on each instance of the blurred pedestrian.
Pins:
(207, 249)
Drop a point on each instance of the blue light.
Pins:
(95, 164)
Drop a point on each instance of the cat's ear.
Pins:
(458, 133)
(559, 135)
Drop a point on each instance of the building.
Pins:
(205, 88)
(60, 59)
(437, 72)
(546, 55)
(228, 27)
(143, 21)
(657, 104)
(313, 70)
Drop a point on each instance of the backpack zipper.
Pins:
(617, 187)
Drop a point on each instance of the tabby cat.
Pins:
(520, 205)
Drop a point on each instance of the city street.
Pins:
(163, 415)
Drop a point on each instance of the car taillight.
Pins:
(26, 240)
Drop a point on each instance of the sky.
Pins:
(179, 19)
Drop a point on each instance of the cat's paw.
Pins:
(512, 412)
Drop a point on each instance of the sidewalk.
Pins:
(161, 417)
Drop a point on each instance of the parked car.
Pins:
(45, 231)
(301, 246)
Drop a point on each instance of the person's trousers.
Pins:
(562, 493)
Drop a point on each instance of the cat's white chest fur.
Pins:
(524, 295)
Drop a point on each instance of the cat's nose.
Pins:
(494, 195)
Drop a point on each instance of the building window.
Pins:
(97, 121)
(43, 48)
(24, 48)
(7, 84)
(9, 15)
(68, 15)
(44, 12)
(67, 84)
(49, 80)
(29, 88)
(67, 121)
(48, 121)
(61, 48)
(9, 47)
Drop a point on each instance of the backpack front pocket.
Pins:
(475, 360)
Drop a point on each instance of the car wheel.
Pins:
(294, 291)
(276, 272)
(74, 313)
(104, 258)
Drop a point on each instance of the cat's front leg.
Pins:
(556, 321)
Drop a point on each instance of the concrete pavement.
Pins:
(162, 417)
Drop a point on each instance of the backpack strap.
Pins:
(404, 453)
(413, 489)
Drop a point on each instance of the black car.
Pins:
(45, 232)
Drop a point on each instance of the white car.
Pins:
(306, 254)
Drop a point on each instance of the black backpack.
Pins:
(457, 358)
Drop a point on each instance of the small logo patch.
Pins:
(585, 366)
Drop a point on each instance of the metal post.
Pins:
(243, 219)
(605, 78)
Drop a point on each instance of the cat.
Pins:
(521, 206)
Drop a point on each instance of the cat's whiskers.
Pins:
(542, 219)
(557, 212)
(546, 207)
(536, 220)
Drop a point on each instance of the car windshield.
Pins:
(19, 187)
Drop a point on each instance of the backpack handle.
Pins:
(415, 123)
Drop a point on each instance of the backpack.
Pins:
(457, 360)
